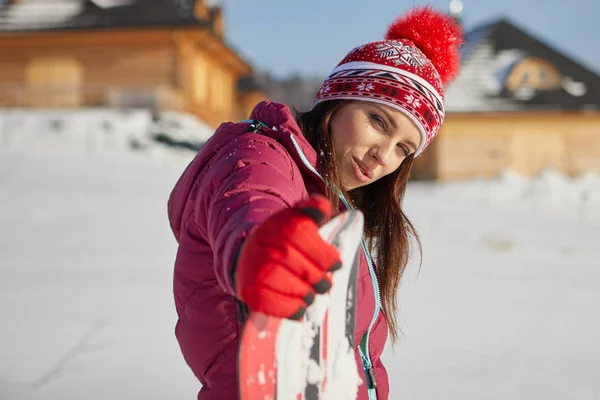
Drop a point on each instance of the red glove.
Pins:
(284, 261)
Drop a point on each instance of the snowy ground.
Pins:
(503, 307)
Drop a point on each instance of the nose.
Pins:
(383, 153)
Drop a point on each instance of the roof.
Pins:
(44, 15)
(489, 57)
(475, 37)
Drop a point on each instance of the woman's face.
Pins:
(371, 140)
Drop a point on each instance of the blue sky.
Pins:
(311, 36)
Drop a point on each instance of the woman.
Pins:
(246, 211)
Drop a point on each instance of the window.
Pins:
(54, 82)
(200, 79)
(533, 74)
(221, 89)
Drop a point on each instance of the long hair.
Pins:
(387, 229)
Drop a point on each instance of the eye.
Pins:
(404, 149)
(379, 120)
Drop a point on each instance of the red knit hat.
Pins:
(407, 71)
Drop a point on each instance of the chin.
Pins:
(353, 185)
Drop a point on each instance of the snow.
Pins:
(83, 133)
(503, 304)
(502, 307)
(85, 280)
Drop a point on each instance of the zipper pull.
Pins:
(254, 126)
(372, 384)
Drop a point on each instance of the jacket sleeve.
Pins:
(247, 182)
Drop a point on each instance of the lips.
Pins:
(362, 172)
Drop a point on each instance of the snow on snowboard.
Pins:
(310, 359)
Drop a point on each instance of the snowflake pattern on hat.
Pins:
(401, 54)
(365, 87)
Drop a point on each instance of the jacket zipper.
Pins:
(364, 353)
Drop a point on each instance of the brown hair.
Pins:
(387, 229)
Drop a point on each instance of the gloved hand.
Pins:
(284, 261)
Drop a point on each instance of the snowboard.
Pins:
(313, 358)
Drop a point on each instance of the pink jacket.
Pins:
(237, 180)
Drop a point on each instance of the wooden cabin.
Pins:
(517, 104)
(156, 54)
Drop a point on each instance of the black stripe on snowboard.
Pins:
(311, 392)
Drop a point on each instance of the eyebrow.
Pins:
(393, 123)
(411, 144)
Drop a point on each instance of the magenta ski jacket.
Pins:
(239, 178)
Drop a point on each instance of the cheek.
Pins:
(393, 167)
(341, 140)
(348, 138)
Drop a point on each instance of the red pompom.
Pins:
(437, 35)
